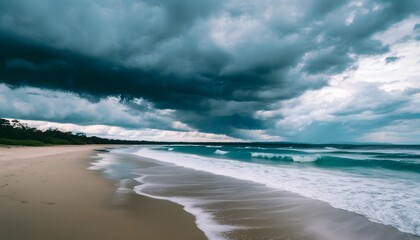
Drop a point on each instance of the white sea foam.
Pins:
(317, 150)
(266, 155)
(305, 158)
(122, 186)
(221, 152)
(104, 160)
(204, 220)
(170, 149)
(391, 200)
(331, 148)
(294, 157)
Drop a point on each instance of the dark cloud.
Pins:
(416, 30)
(214, 62)
(327, 61)
(93, 78)
(349, 131)
(392, 59)
(61, 107)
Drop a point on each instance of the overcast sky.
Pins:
(209, 70)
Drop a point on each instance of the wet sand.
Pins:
(47, 193)
(247, 210)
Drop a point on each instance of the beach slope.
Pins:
(47, 193)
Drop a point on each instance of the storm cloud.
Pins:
(213, 64)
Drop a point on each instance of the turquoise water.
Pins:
(342, 157)
(381, 183)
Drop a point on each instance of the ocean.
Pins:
(279, 191)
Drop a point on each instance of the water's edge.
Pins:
(214, 220)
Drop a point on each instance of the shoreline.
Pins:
(48, 193)
(252, 209)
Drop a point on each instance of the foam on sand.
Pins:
(204, 220)
(379, 199)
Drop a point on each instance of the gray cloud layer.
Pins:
(216, 63)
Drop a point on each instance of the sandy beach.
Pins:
(47, 193)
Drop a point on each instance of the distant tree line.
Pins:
(13, 132)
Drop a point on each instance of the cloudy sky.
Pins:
(209, 70)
